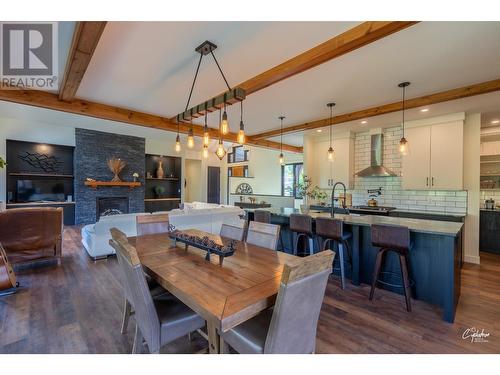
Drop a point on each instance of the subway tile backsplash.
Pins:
(493, 194)
(392, 192)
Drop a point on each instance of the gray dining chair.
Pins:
(152, 224)
(158, 321)
(289, 327)
(263, 235)
(233, 231)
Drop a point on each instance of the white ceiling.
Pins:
(149, 66)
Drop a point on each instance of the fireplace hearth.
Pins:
(106, 206)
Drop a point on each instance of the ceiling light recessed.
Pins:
(424, 110)
(495, 121)
(364, 122)
(319, 130)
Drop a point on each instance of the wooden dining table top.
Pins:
(224, 295)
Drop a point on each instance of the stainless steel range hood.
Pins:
(376, 169)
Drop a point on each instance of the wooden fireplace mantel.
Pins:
(96, 184)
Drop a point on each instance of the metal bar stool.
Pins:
(396, 239)
(263, 216)
(301, 227)
(331, 230)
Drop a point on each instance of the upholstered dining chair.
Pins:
(263, 235)
(233, 231)
(158, 321)
(289, 327)
(146, 224)
(152, 224)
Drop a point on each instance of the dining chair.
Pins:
(152, 224)
(146, 224)
(263, 235)
(290, 327)
(233, 231)
(158, 321)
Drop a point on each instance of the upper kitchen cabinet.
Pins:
(435, 159)
(341, 169)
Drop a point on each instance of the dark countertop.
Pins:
(402, 210)
(415, 225)
(496, 210)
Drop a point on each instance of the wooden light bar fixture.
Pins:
(230, 97)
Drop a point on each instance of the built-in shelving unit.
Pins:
(164, 193)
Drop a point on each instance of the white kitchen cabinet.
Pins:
(342, 167)
(435, 159)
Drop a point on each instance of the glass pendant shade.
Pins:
(282, 159)
(206, 137)
(205, 151)
(331, 154)
(224, 125)
(177, 144)
(190, 139)
(403, 146)
(241, 134)
(220, 152)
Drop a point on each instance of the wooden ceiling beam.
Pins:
(350, 40)
(443, 96)
(51, 101)
(85, 39)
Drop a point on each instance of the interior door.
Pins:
(416, 165)
(447, 156)
(213, 185)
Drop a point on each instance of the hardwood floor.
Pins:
(76, 308)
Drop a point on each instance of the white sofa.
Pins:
(196, 215)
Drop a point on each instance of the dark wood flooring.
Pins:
(76, 308)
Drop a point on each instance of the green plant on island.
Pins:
(303, 187)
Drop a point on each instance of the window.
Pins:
(291, 175)
(238, 155)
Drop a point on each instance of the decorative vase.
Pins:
(115, 166)
(159, 172)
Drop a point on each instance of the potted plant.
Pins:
(319, 195)
(159, 191)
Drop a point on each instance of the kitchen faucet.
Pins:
(332, 213)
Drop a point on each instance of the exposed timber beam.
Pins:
(51, 101)
(350, 40)
(85, 39)
(443, 96)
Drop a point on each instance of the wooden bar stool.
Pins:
(263, 216)
(301, 227)
(330, 230)
(396, 239)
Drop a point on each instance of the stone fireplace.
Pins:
(92, 151)
(106, 206)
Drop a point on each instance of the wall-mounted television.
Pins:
(40, 190)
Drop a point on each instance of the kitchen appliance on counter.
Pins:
(372, 210)
(489, 204)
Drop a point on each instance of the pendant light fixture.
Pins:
(224, 126)
(220, 152)
(231, 96)
(403, 143)
(241, 133)
(331, 152)
(177, 140)
(206, 134)
(281, 157)
(190, 138)
(205, 151)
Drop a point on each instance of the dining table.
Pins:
(226, 294)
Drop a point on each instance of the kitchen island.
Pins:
(435, 257)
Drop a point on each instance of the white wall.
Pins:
(193, 180)
(472, 157)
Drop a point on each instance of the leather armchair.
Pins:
(29, 234)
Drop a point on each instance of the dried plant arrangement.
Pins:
(116, 166)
